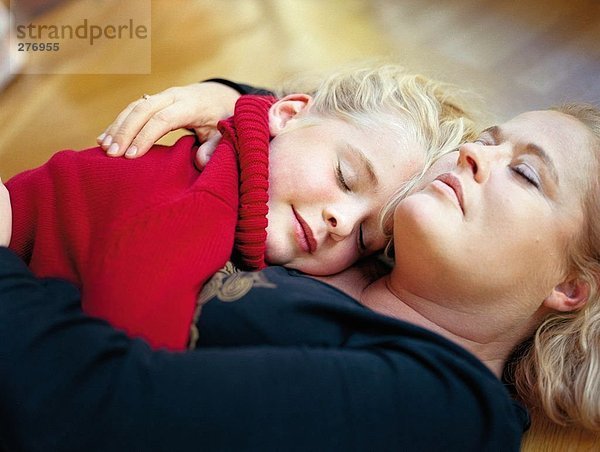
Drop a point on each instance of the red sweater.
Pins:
(141, 237)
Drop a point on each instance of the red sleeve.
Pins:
(24, 196)
(140, 236)
(53, 217)
(156, 261)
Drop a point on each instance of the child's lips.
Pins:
(304, 234)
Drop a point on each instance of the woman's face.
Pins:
(498, 219)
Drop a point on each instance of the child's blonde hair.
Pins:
(560, 368)
(437, 116)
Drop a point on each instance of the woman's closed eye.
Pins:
(527, 173)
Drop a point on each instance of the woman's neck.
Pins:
(480, 334)
(490, 338)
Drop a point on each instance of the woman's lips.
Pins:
(304, 234)
(450, 180)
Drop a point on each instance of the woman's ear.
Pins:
(285, 109)
(570, 295)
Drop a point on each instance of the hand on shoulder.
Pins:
(198, 106)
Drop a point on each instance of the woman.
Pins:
(496, 246)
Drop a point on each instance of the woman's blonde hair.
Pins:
(559, 369)
(437, 116)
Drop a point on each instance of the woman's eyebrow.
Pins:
(538, 151)
(494, 132)
(530, 148)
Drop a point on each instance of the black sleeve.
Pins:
(72, 383)
(241, 88)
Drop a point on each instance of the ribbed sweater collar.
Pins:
(248, 132)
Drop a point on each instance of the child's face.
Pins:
(328, 183)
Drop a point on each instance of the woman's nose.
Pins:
(477, 159)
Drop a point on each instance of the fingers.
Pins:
(198, 105)
(205, 151)
(144, 116)
(172, 117)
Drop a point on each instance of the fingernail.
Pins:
(106, 142)
(131, 151)
(101, 137)
(113, 149)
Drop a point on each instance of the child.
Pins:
(298, 181)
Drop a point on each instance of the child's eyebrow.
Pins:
(365, 163)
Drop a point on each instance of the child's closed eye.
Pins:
(361, 240)
(341, 179)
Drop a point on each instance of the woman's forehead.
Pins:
(550, 129)
(565, 140)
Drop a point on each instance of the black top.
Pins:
(241, 87)
(283, 362)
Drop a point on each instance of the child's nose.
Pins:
(340, 222)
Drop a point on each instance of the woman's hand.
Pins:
(198, 106)
(5, 216)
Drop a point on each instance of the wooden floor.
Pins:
(518, 54)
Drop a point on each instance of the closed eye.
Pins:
(526, 173)
(361, 240)
(340, 178)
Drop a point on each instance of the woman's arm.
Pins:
(198, 106)
(71, 383)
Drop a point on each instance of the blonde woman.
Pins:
(498, 246)
(558, 369)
